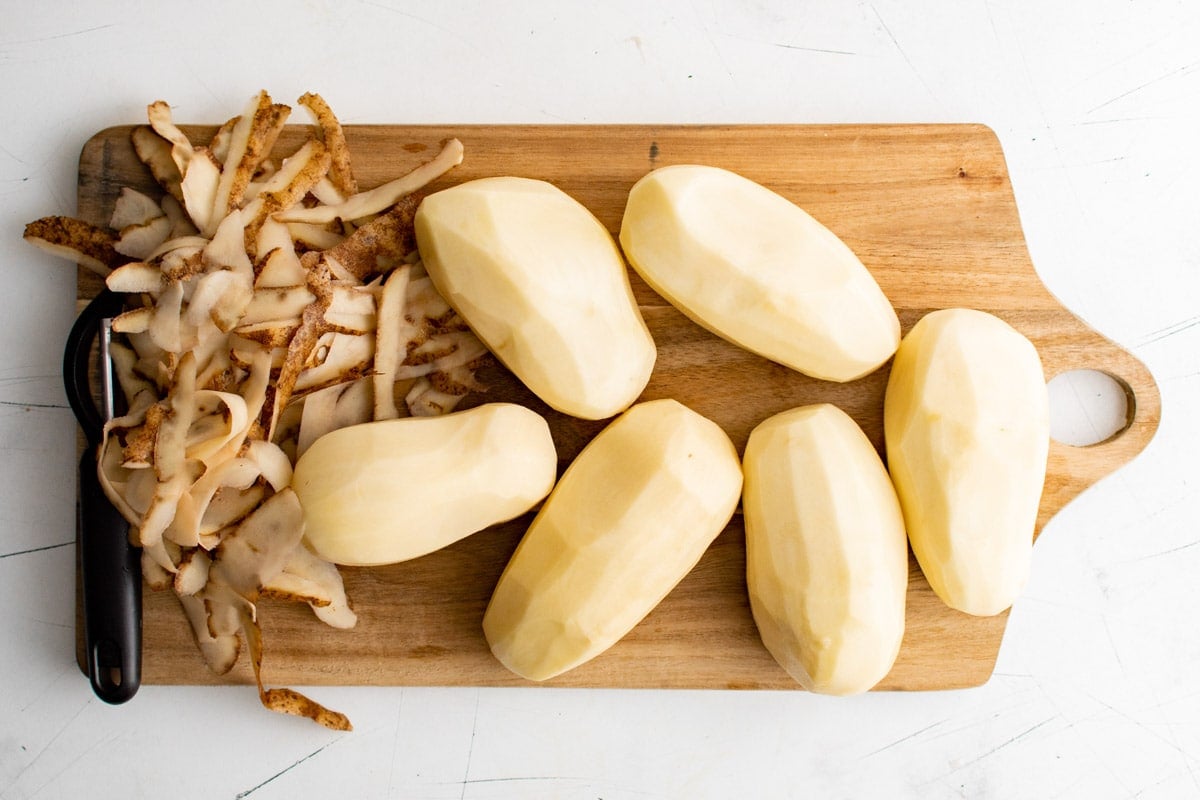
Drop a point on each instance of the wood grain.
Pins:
(930, 211)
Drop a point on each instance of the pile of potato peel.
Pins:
(270, 301)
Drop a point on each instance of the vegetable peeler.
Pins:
(110, 565)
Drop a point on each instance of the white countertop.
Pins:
(1097, 106)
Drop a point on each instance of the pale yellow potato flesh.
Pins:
(966, 421)
(389, 491)
(826, 554)
(627, 521)
(542, 283)
(756, 269)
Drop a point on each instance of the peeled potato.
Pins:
(384, 492)
(966, 421)
(752, 267)
(628, 520)
(542, 283)
(826, 555)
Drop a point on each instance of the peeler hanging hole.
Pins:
(1088, 407)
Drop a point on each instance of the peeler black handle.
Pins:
(110, 567)
(112, 591)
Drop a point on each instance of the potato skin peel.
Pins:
(628, 520)
(826, 554)
(966, 422)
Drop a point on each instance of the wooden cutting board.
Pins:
(930, 211)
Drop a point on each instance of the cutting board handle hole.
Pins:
(1088, 407)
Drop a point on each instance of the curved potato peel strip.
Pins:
(364, 204)
(261, 545)
(279, 303)
(287, 701)
(221, 648)
(159, 115)
(227, 429)
(349, 358)
(379, 245)
(327, 193)
(133, 208)
(207, 291)
(170, 455)
(91, 247)
(156, 153)
(199, 189)
(330, 604)
(142, 239)
(181, 224)
(236, 473)
(226, 509)
(189, 242)
(193, 572)
(250, 141)
(157, 578)
(334, 407)
(341, 173)
(165, 326)
(391, 341)
(287, 187)
(313, 236)
(135, 277)
(272, 463)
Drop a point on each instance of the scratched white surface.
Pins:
(1097, 106)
